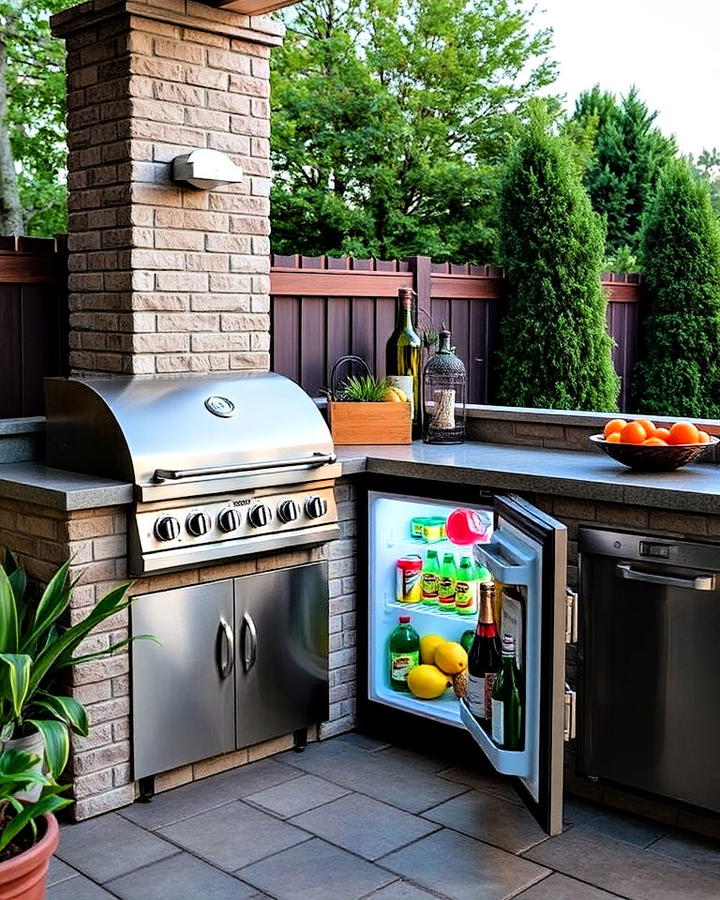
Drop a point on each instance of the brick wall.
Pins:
(166, 278)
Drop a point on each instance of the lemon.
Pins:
(395, 395)
(451, 658)
(428, 645)
(427, 682)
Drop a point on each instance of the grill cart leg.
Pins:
(300, 740)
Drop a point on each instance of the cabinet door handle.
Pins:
(249, 653)
(705, 582)
(226, 660)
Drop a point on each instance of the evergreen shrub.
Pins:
(678, 373)
(555, 350)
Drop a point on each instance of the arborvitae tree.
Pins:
(679, 371)
(630, 151)
(555, 349)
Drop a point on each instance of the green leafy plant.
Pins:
(19, 771)
(35, 649)
(364, 389)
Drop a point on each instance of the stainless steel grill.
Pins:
(223, 466)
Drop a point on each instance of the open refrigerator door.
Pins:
(523, 551)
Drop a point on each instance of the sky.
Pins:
(667, 48)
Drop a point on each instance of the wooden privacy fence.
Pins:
(324, 307)
(33, 321)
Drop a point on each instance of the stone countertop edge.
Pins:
(32, 482)
(568, 473)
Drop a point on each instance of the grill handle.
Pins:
(249, 654)
(226, 661)
(317, 459)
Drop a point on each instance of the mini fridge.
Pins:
(525, 551)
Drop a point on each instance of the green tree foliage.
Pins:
(389, 119)
(628, 155)
(34, 75)
(679, 373)
(555, 350)
(707, 167)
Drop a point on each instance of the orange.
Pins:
(613, 438)
(703, 437)
(633, 433)
(655, 442)
(614, 425)
(684, 433)
(648, 426)
(663, 433)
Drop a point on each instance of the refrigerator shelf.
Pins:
(507, 762)
(445, 709)
(411, 609)
(408, 545)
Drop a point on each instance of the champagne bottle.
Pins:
(446, 586)
(484, 660)
(431, 579)
(403, 352)
(506, 702)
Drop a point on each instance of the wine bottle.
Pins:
(403, 352)
(506, 702)
(484, 660)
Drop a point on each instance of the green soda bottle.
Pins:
(430, 582)
(466, 588)
(446, 587)
(482, 574)
(404, 653)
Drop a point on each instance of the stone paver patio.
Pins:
(353, 818)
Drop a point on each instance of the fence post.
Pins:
(420, 266)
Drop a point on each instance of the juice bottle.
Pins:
(466, 588)
(404, 649)
(431, 579)
(446, 587)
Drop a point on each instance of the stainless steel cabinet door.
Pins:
(281, 622)
(183, 687)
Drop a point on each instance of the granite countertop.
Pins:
(33, 482)
(569, 473)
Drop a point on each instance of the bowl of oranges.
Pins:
(640, 445)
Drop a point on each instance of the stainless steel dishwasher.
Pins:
(649, 708)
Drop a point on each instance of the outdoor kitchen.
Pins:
(262, 533)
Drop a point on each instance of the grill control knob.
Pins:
(260, 515)
(228, 520)
(316, 507)
(288, 511)
(198, 524)
(167, 528)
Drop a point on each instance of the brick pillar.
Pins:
(165, 278)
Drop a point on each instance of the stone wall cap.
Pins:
(53, 488)
(186, 13)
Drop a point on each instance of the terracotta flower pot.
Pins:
(24, 877)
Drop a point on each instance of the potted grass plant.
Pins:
(28, 830)
(365, 409)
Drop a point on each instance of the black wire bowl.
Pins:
(649, 458)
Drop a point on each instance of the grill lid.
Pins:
(166, 428)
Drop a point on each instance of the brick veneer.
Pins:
(165, 278)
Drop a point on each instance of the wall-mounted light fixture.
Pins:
(205, 169)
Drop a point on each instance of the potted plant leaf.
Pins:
(28, 831)
(36, 648)
(364, 409)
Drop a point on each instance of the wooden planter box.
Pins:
(370, 423)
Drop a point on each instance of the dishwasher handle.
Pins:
(705, 582)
